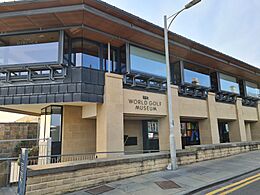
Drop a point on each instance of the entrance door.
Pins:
(190, 133)
(223, 132)
(151, 135)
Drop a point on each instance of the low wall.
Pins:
(71, 176)
(200, 153)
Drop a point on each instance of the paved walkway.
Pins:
(189, 178)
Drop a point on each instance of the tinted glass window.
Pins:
(147, 62)
(91, 55)
(86, 54)
(196, 78)
(113, 60)
(29, 48)
(228, 83)
(252, 89)
(56, 124)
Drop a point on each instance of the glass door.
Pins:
(151, 135)
(190, 134)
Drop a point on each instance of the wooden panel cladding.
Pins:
(29, 5)
(115, 25)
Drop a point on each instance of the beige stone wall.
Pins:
(202, 154)
(225, 111)
(133, 128)
(255, 126)
(237, 130)
(209, 133)
(250, 114)
(110, 124)
(164, 140)
(176, 107)
(78, 135)
(248, 131)
(139, 104)
(194, 108)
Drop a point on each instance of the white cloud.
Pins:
(231, 26)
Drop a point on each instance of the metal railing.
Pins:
(10, 166)
(9, 157)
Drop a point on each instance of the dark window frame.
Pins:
(60, 48)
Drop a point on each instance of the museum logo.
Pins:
(145, 104)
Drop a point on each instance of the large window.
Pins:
(29, 48)
(252, 89)
(228, 83)
(147, 62)
(196, 78)
(86, 54)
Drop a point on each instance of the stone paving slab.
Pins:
(190, 177)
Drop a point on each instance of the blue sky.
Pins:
(229, 26)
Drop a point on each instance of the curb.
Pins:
(218, 182)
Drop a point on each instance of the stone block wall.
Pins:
(66, 177)
(58, 179)
(12, 131)
(208, 152)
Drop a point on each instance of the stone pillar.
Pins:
(176, 117)
(110, 124)
(164, 133)
(44, 139)
(209, 133)
(248, 132)
(237, 130)
(255, 127)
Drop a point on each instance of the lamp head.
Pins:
(192, 3)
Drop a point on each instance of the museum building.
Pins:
(97, 77)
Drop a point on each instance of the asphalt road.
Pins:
(246, 185)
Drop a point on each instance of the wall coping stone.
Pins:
(223, 145)
(37, 170)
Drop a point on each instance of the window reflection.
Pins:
(147, 62)
(252, 89)
(86, 54)
(228, 83)
(196, 78)
(29, 48)
(114, 54)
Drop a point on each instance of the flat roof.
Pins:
(116, 23)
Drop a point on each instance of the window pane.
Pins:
(55, 127)
(228, 83)
(91, 55)
(28, 49)
(66, 49)
(85, 54)
(113, 58)
(196, 78)
(56, 124)
(252, 89)
(144, 61)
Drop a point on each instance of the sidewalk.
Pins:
(188, 178)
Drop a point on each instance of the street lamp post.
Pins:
(173, 165)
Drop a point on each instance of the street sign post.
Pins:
(23, 172)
